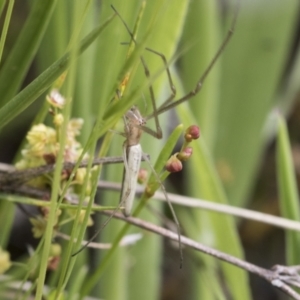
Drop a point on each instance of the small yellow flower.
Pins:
(46, 210)
(55, 249)
(36, 150)
(5, 262)
(82, 213)
(75, 126)
(39, 137)
(37, 134)
(58, 120)
(80, 175)
(21, 164)
(39, 226)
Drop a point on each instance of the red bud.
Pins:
(192, 133)
(185, 154)
(142, 176)
(173, 164)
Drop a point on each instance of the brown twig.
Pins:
(10, 175)
(280, 277)
(212, 206)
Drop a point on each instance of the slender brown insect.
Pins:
(135, 123)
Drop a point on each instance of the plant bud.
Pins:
(58, 120)
(173, 164)
(56, 99)
(192, 133)
(142, 176)
(185, 154)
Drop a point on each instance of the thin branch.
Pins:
(289, 274)
(231, 210)
(277, 279)
(10, 175)
(213, 206)
(176, 199)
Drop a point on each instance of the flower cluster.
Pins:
(43, 143)
(42, 148)
(174, 163)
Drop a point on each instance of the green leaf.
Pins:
(2, 3)
(20, 57)
(29, 94)
(288, 190)
(7, 212)
(252, 67)
(164, 155)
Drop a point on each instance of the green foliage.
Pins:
(233, 108)
(289, 198)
